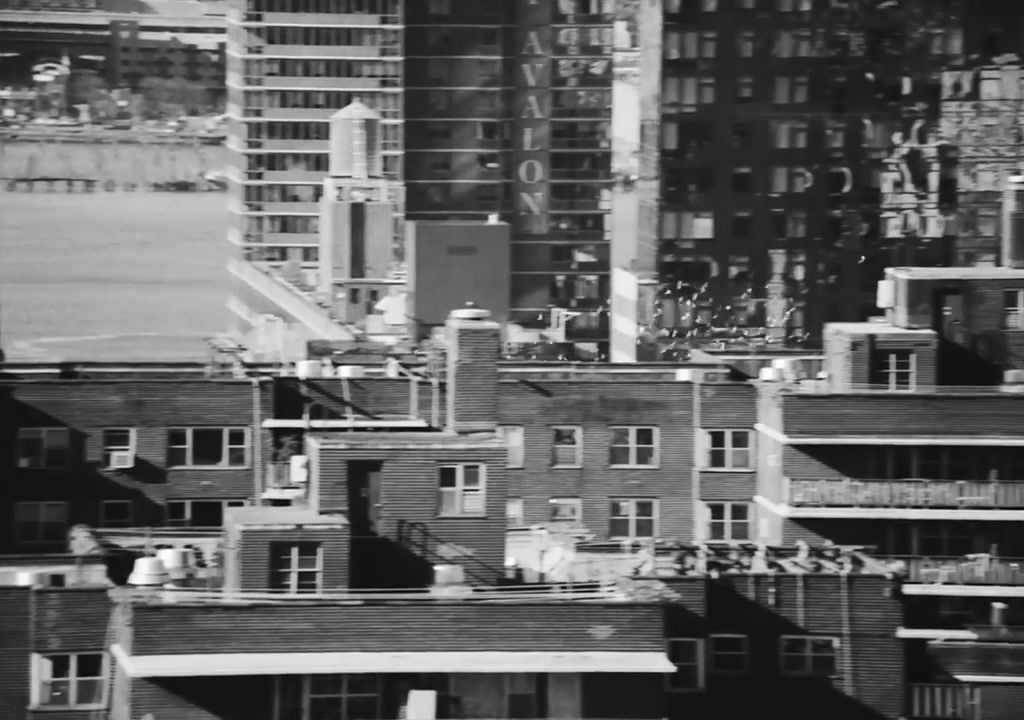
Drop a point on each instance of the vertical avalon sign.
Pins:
(532, 120)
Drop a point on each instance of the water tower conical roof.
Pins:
(356, 110)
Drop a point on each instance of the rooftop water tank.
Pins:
(148, 572)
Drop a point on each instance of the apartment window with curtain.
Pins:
(567, 446)
(461, 490)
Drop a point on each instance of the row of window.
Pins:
(215, 447)
(635, 446)
(79, 680)
(322, 67)
(46, 522)
(687, 92)
(800, 43)
(203, 447)
(638, 518)
(798, 655)
(369, 36)
(360, 7)
(784, 133)
(461, 492)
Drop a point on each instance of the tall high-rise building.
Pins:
(495, 108)
(291, 65)
(791, 149)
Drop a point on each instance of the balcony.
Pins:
(930, 494)
(981, 569)
(811, 415)
(948, 702)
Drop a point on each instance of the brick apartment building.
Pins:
(392, 471)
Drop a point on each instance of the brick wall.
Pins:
(253, 554)
(409, 490)
(825, 415)
(538, 405)
(151, 407)
(473, 347)
(451, 627)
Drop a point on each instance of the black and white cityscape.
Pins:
(511, 359)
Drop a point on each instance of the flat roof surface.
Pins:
(875, 328)
(281, 516)
(418, 439)
(315, 663)
(956, 273)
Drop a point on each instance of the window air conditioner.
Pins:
(299, 469)
(122, 459)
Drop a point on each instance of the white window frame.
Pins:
(633, 446)
(461, 493)
(807, 655)
(633, 517)
(892, 375)
(727, 522)
(729, 450)
(39, 506)
(104, 504)
(671, 680)
(515, 512)
(292, 570)
(307, 694)
(226, 447)
(40, 663)
(515, 444)
(573, 505)
(578, 445)
(714, 653)
(109, 448)
(46, 435)
(187, 520)
(1013, 312)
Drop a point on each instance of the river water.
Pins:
(111, 276)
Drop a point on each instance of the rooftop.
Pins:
(956, 273)
(876, 328)
(407, 439)
(282, 516)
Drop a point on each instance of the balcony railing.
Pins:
(944, 702)
(981, 569)
(905, 494)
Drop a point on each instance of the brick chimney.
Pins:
(473, 343)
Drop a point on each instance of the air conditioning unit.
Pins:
(122, 459)
(298, 469)
(885, 296)
(1013, 377)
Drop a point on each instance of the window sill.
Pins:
(209, 467)
(634, 467)
(567, 467)
(66, 708)
(622, 538)
(728, 470)
(462, 516)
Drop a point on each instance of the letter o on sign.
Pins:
(531, 171)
